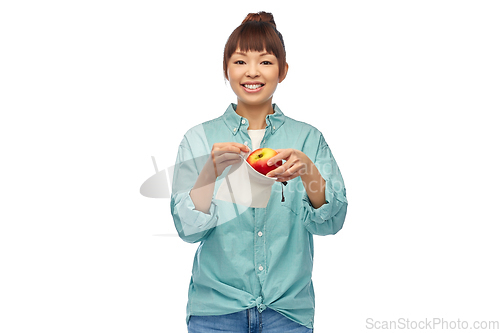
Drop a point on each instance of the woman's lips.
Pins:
(252, 90)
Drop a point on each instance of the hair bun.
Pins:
(260, 17)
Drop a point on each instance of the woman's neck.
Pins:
(256, 114)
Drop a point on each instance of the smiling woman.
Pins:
(253, 269)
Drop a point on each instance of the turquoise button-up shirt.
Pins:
(259, 257)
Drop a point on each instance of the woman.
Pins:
(252, 270)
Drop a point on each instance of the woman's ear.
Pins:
(283, 75)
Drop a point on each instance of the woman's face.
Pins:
(253, 76)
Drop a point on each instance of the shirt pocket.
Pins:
(293, 192)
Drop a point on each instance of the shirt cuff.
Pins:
(334, 202)
(193, 221)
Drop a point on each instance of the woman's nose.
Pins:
(253, 71)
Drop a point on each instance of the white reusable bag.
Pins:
(245, 186)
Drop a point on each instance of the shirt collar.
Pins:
(234, 120)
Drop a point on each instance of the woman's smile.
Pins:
(252, 87)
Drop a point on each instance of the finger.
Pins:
(228, 154)
(230, 146)
(225, 164)
(241, 146)
(283, 154)
(293, 170)
(228, 157)
(222, 155)
(227, 150)
(222, 165)
(280, 170)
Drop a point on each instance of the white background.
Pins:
(406, 94)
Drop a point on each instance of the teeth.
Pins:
(253, 86)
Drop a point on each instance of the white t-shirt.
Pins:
(256, 136)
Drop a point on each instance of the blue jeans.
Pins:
(246, 321)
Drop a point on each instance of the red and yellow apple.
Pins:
(258, 160)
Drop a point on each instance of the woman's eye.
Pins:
(267, 62)
(239, 62)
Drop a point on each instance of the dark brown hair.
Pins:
(257, 32)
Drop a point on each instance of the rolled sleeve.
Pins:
(191, 224)
(329, 218)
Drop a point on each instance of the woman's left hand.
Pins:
(296, 164)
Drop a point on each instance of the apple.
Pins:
(258, 160)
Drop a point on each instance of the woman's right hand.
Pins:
(225, 154)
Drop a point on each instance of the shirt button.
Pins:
(274, 127)
(260, 234)
(242, 121)
(261, 268)
(234, 129)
